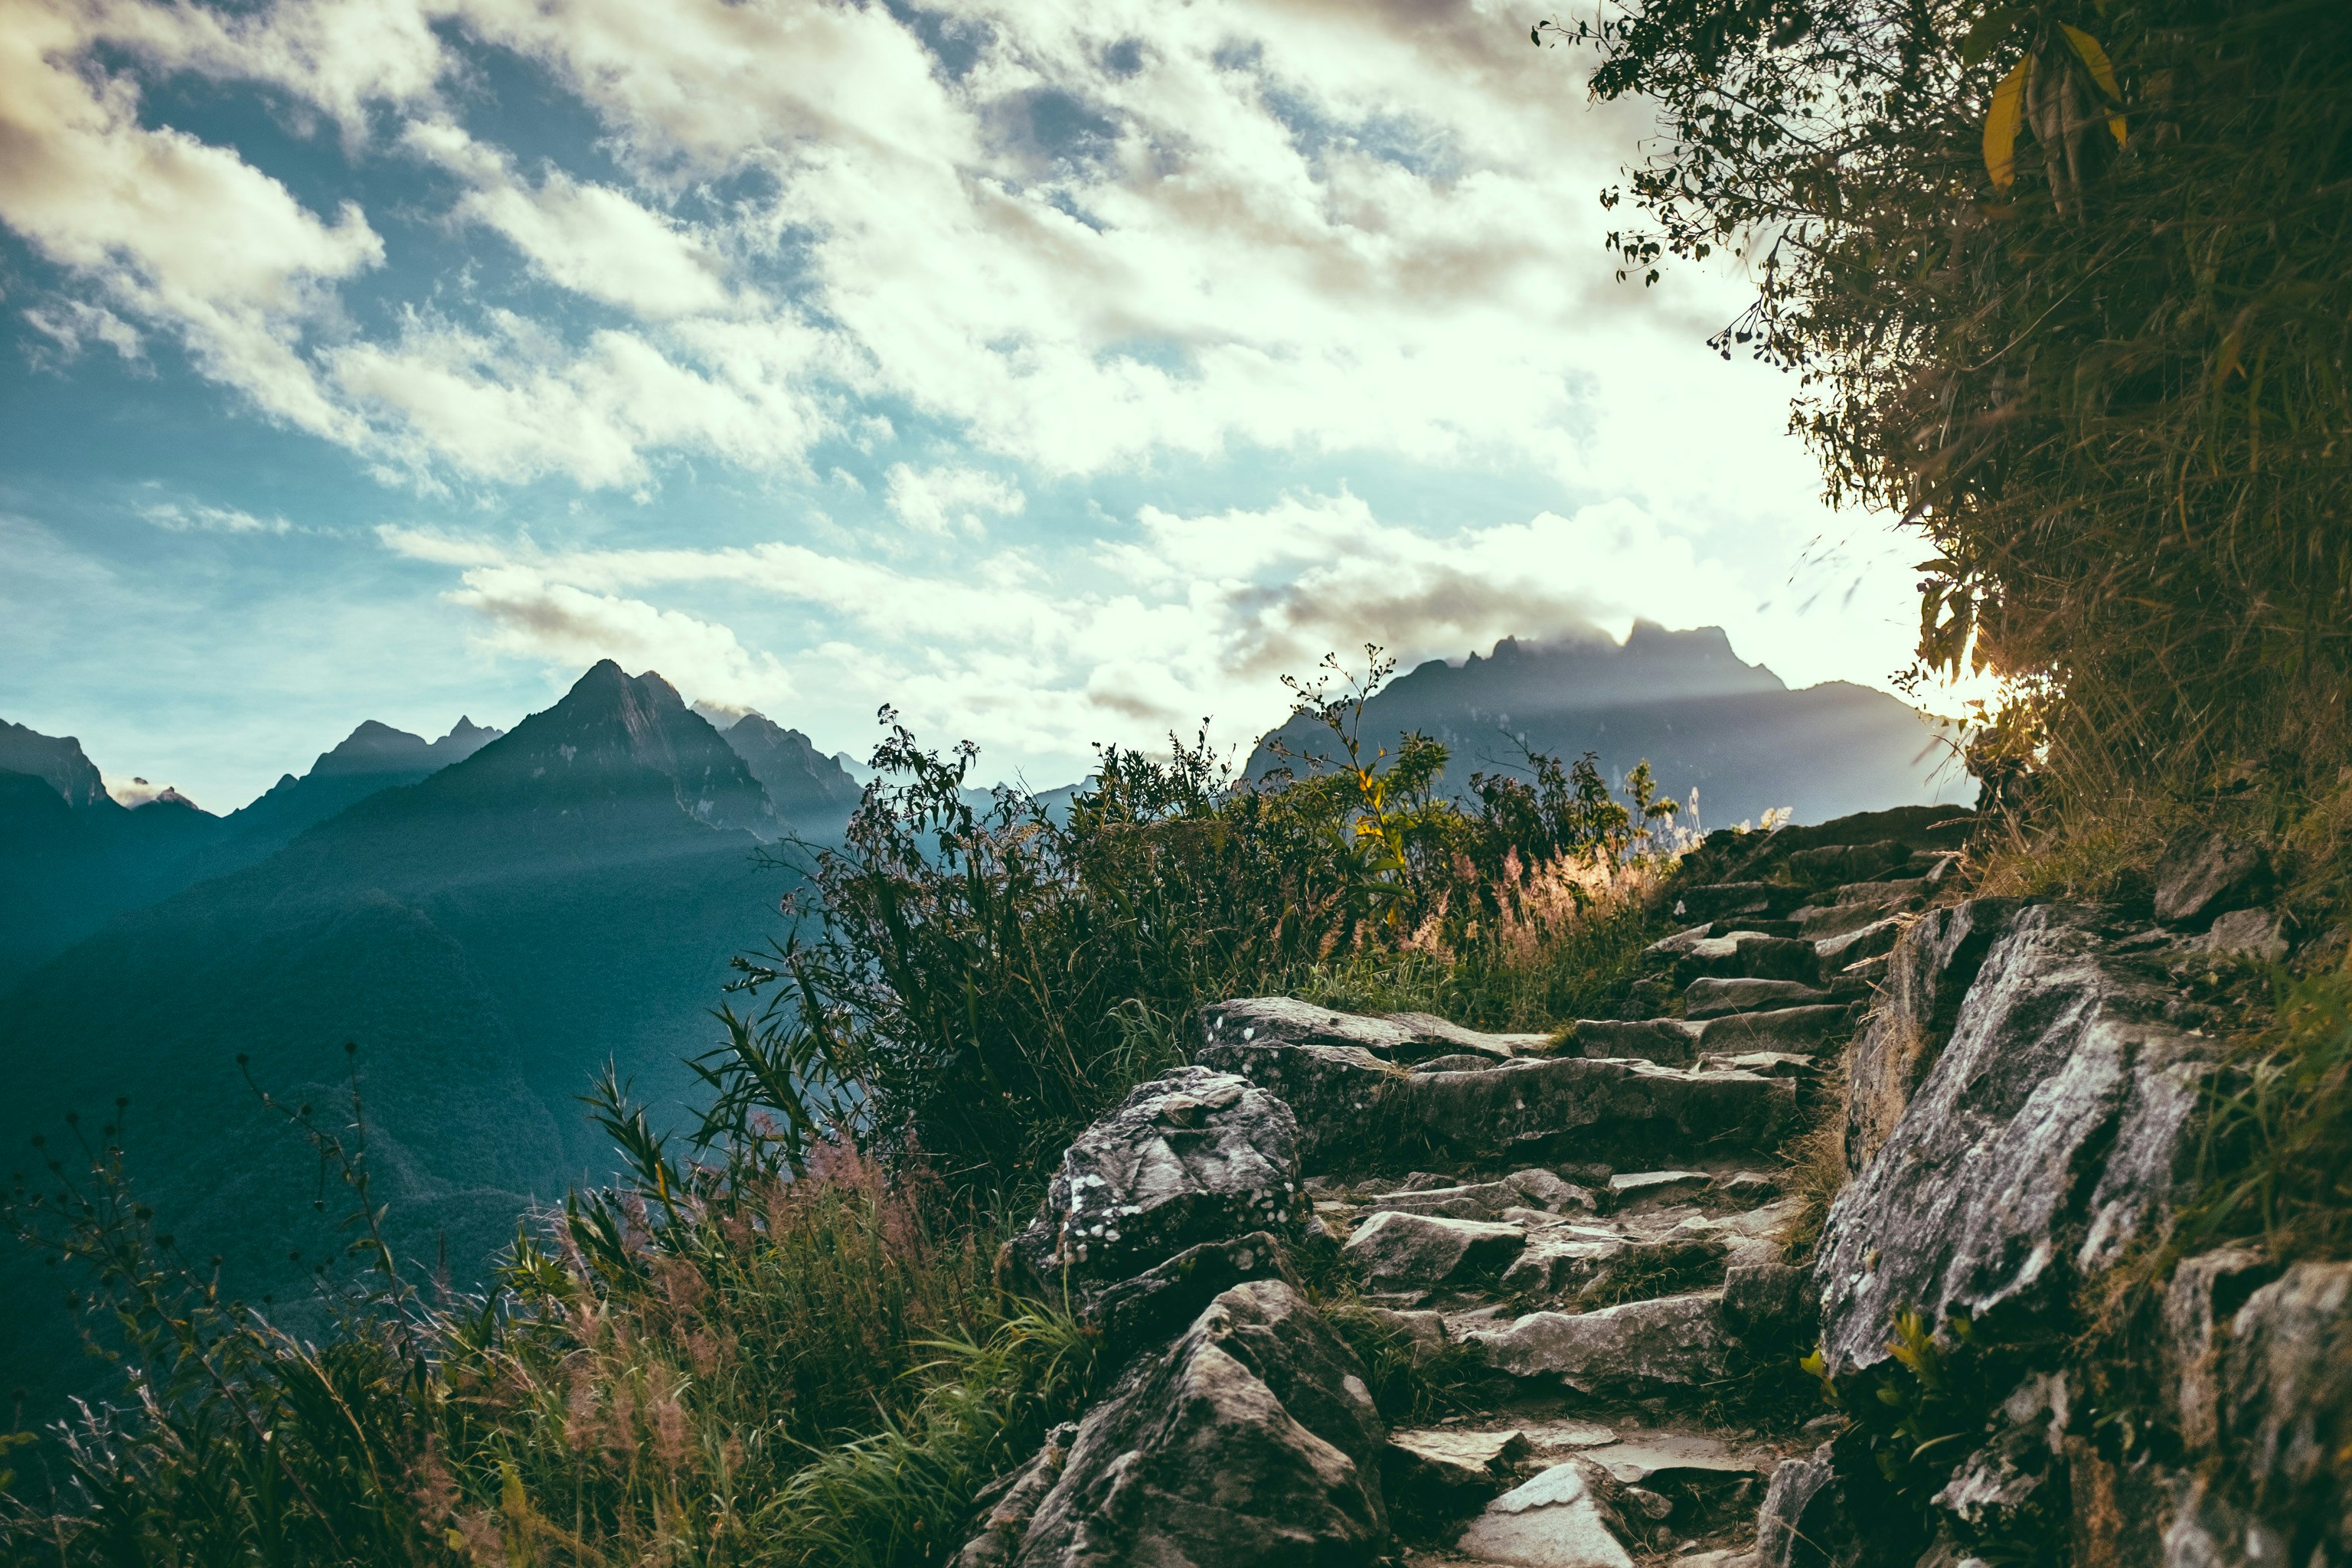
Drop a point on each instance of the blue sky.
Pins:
(1055, 372)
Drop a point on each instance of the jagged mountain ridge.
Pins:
(1684, 701)
(488, 936)
(813, 793)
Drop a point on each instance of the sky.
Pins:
(1055, 372)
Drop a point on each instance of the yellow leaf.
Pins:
(2101, 71)
(2000, 127)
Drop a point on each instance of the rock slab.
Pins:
(1251, 1441)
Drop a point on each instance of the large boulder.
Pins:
(1930, 971)
(2049, 1133)
(1192, 1156)
(1251, 1440)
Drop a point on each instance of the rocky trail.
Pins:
(1573, 1246)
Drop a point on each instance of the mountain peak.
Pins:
(57, 759)
(598, 743)
(373, 747)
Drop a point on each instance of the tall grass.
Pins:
(715, 1363)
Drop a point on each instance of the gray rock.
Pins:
(1632, 1186)
(1794, 1515)
(1352, 1109)
(1464, 1063)
(1576, 1105)
(1713, 998)
(1547, 1190)
(1399, 1038)
(1551, 1521)
(2049, 1133)
(1443, 1472)
(1749, 955)
(1749, 1186)
(1423, 1252)
(2285, 1400)
(1764, 1064)
(1929, 973)
(1424, 1328)
(1662, 954)
(1770, 1303)
(1252, 1440)
(1818, 923)
(1633, 1348)
(1558, 1263)
(2248, 933)
(1848, 862)
(1668, 1041)
(2203, 875)
(1331, 1089)
(2204, 1292)
(1150, 1307)
(1723, 900)
(1005, 1515)
(1879, 936)
(1797, 1030)
(1191, 1156)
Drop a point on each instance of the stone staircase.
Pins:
(1596, 1219)
(1584, 1229)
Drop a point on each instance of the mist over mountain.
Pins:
(487, 936)
(813, 794)
(1684, 701)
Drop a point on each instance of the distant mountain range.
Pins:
(488, 918)
(1682, 701)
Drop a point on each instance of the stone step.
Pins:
(1719, 900)
(1833, 863)
(1351, 1107)
(1748, 955)
(1674, 1042)
(1403, 1037)
(1802, 1030)
(1870, 941)
(1714, 998)
(1818, 923)
(1661, 1346)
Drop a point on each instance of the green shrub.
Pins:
(982, 980)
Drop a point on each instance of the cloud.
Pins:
(937, 500)
(1182, 616)
(178, 519)
(1085, 238)
(73, 325)
(167, 227)
(525, 613)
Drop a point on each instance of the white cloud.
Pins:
(177, 519)
(1110, 233)
(525, 613)
(1183, 616)
(938, 500)
(73, 325)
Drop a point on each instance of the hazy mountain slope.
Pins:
(813, 794)
(1684, 701)
(371, 757)
(488, 936)
(71, 854)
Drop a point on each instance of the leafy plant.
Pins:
(2065, 289)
